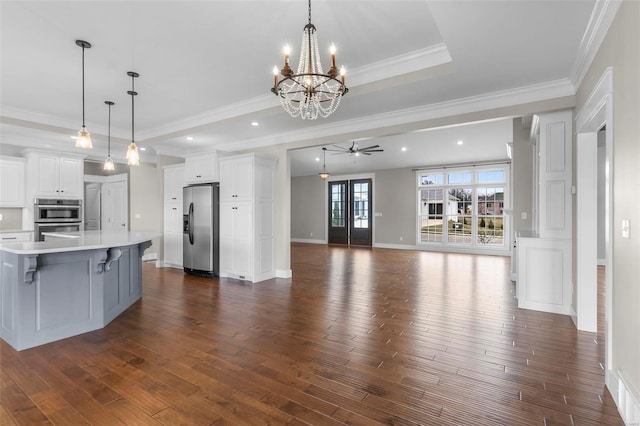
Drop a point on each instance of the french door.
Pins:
(350, 211)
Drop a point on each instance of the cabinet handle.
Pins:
(62, 190)
(173, 198)
(198, 176)
(174, 208)
(57, 190)
(9, 238)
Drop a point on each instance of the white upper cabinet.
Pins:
(54, 176)
(173, 183)
(11, 182)
(237, 176)
(202, 168)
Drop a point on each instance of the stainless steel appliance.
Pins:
(201, 207)
(56, 216)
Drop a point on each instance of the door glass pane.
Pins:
(360, 197)
(459, 212)
(491, 215)
(338, 205)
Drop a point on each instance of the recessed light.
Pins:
(255, 123)
(142, 148)
(460, 142)
(404, 148)
(189, 138)
(317, 158)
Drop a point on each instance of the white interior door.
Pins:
(115, 206)
(92, 207)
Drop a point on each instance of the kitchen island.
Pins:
(69, 284)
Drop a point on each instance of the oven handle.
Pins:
(56, 206)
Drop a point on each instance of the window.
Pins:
(463, 207)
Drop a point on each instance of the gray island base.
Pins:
(64, 287)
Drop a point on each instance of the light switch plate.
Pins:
(138, 215)
(523, 215)
(625, 228)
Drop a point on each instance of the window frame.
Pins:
(475, 245)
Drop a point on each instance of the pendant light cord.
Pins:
(83, 86)
(109, 137)
(133, 95)
(309, 11)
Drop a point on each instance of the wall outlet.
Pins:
(138, 215)
(625, 228)
(523, 215)
(311, 234)
(400, 238)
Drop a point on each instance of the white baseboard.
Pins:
(149, 256)
(442, 249)
(165, 264)
(303, 240)
(283, 273)
(626, 397)
(602, 262)
(574, 316)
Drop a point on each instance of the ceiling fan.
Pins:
(355, 149)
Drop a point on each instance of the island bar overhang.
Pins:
(51, 295)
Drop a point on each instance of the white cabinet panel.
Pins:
(11, 182)
(173, 234)
(246, 217)
(54, 176)
(173, 183)
(202, 168)
(14, 237)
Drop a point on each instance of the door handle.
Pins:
(191, 223)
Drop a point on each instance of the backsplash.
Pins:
(11, 219)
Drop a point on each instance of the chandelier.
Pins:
(309, 92)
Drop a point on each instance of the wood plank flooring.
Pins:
(358, 336)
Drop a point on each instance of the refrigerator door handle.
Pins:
(191, 223)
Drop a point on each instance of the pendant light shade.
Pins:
(108, 162)
(133, 157)
(84, 137)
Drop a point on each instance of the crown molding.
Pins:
(506, 98)
(602, 15)
(396, 66)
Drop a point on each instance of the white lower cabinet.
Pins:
(173, 235)
(235, 239)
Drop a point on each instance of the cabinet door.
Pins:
(244, 179)
(203, 168)
(227, 180)
(173, 184)
(70, 177)
(11, 183)
(243, 236)
(173, 249)
(173, 218)
(227, 244)
(48, 176)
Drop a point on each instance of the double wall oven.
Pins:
(56, 216)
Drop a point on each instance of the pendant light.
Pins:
(324, 174)
(133, 157)
(108, 162)
(84, 137)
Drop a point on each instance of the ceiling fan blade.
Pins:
(372, 150)
(364, 152)
(369, 147)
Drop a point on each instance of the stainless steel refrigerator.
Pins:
(200, 242)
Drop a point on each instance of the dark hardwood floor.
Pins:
(358, 336)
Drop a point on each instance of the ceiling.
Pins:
(205, 73)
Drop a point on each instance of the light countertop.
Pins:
(14, 231)
(76, 241)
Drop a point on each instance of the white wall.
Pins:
(621, 51)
